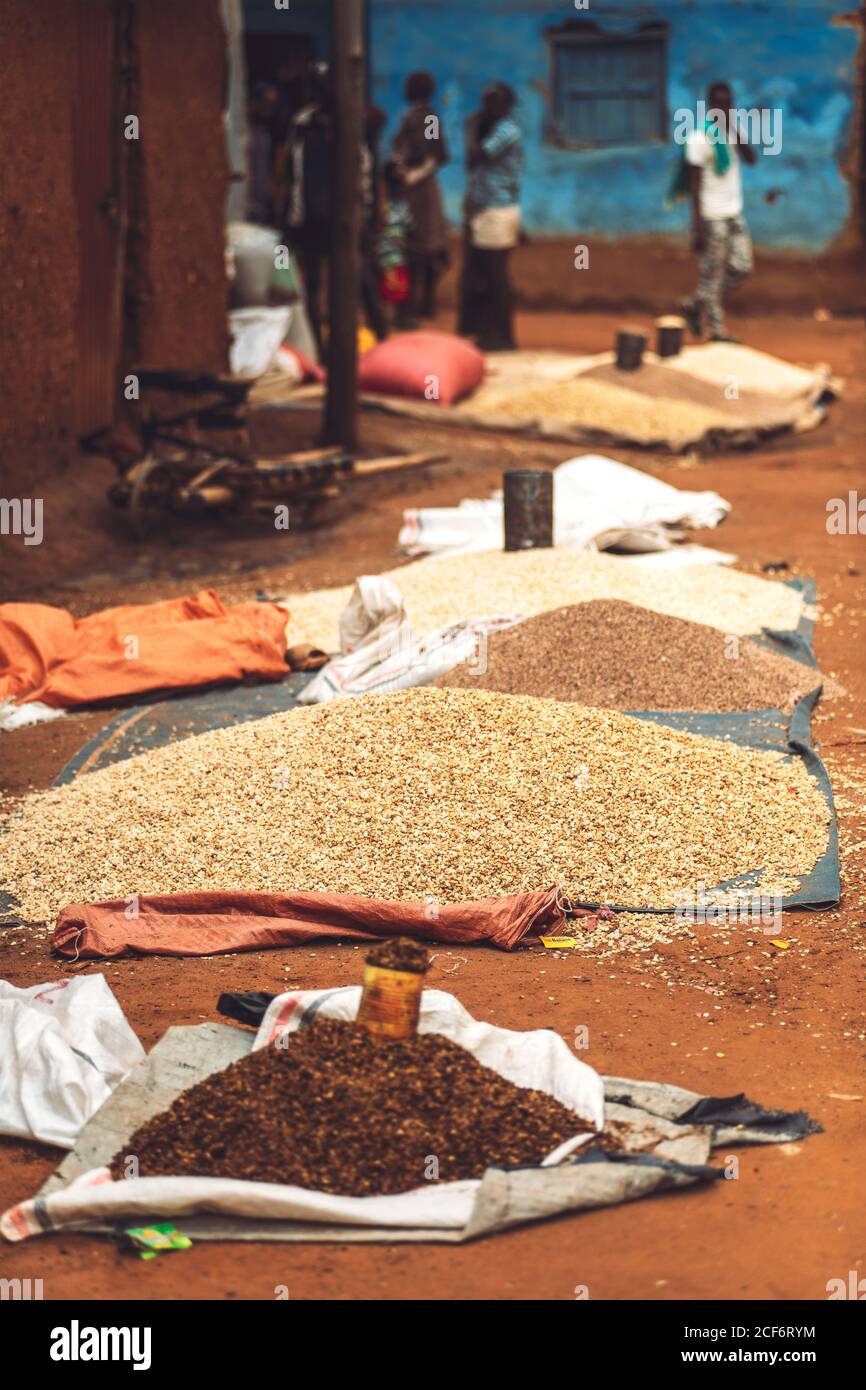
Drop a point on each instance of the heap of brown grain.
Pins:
(587, 403)
(620, 656)
(333, 1109)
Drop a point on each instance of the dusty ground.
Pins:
(722, 1013)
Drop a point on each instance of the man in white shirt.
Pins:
(719, 232)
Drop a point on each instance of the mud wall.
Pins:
(38, 232)
(178, 182)
(175, 292)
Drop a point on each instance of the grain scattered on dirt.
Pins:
(331, 1108)
(442, 589)
(619, 656)
(461, 794)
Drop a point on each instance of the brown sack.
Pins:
(205, 924)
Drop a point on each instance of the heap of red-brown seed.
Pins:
(333, 1109)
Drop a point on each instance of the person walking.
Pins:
(720, 236)
(420, 150)
(494, 157)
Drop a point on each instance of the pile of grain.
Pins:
(587, 404)
(461, 794)
(333, 1109)
(401, 954)
(442, 589)
(620, 656)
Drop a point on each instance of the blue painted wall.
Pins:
(782, 53)
(776, 53)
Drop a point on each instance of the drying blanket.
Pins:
(710, 396)
(668, 1136)
(206, 924)
(46, 655)
(597, 503)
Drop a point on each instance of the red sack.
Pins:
(430, 366)
(208, 924)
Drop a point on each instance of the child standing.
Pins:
(393, 247)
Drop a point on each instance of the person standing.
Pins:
(260, 189)
(371, 221)
(719, 232)
(494, 157)
(420, 149)
(308, 161)
(394, 237)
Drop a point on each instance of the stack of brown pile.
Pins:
(618, 656)
(335, 1110)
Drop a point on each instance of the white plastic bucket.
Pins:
(252, 251)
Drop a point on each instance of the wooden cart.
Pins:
(175, 467)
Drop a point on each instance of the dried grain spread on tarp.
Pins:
(333, 1109)
(620, 656)
(443, 589)
(425, 794)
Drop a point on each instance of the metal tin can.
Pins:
(391, 1002)
(393, 980)
(528, 508)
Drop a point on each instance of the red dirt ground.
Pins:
(788, 1027)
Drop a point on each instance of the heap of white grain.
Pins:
(442, 589)
(458, 794)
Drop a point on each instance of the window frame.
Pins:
(573, 37)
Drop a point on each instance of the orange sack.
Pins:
(47, 655)
(208, 924)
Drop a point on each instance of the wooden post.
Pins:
(340, 425)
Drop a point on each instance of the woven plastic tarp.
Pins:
(773, 730)
(668, 1144)
(152, 726)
